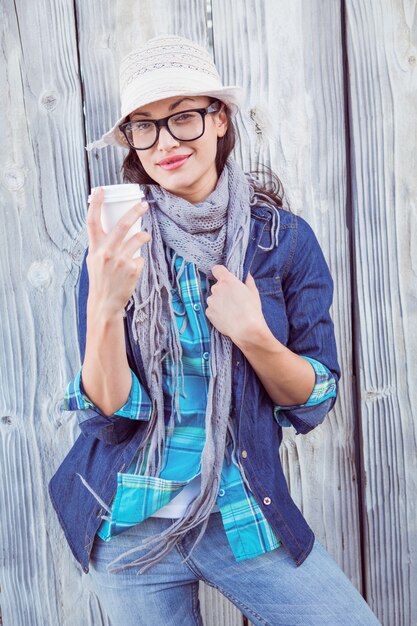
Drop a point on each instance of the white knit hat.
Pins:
(166, 66)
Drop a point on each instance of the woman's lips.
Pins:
(173, 163)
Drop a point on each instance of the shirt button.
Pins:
(196, 307)
(206, 356)
(221, 492)
(267, 500)
(244, 454)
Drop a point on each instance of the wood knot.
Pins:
(262, 122)
(40, 274)
(49, 100)
(14, 177)
(378, 394)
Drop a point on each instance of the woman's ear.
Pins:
(221, 122)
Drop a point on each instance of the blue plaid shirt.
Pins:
(139, 496)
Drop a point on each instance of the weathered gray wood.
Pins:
(42, 170)
(288, 57)
(382, 45)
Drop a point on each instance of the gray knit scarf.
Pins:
(215, 231)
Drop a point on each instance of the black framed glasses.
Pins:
(183, 126)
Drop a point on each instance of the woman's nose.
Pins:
(165, 140)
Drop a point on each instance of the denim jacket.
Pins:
(296, 291)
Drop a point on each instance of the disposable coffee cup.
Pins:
(118, 199)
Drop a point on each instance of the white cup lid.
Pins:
(117, 193)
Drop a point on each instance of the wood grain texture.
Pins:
(288, 57)
(382, 43)
(42, 170)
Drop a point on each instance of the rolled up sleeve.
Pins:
(324, 393)
(108, 428)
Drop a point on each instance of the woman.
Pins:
(194, 356)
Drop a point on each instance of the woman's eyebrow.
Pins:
(171, 107)
(174, 105)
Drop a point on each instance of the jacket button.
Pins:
(267, 500)
(244, 454)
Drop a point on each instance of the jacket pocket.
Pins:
(273, 306)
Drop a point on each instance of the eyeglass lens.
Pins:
(184, 126)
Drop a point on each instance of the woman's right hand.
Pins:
(112, 270)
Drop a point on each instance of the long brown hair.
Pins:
(134, 172)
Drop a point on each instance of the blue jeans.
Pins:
(269, 589)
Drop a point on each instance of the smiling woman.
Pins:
(133, 169)
(167, 142)
(195, 355)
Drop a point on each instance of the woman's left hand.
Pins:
(234, 307)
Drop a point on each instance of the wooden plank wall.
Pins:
(349, 175)
(42, 196)
(381, 46)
